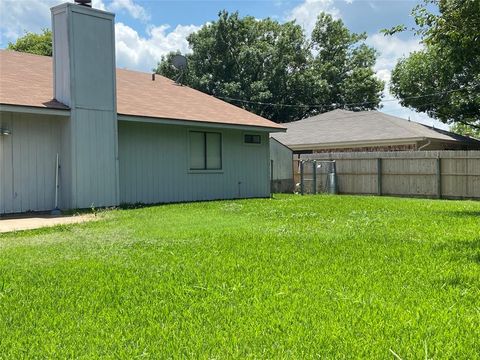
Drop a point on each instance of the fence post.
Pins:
(333, 183)
(379, 177)
(271, 178)
(301, 178)
(314, 168)
(439, 177)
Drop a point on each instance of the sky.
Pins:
(146, 30)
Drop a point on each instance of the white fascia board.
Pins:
(356, 143)
(192, 123)
(34, 110)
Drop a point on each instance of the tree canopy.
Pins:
(276, 71)
(40, 44)
(272, 69)
(443, 79)
(467, 130)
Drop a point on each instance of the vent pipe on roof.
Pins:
(87, 3)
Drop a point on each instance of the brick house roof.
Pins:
(350, 128)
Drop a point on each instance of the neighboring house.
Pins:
(347, 131)
(121, 136)
(281, 167)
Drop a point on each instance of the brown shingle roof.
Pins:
(27, 80)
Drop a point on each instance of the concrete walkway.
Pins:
(29, 222)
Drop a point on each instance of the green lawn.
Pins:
(290, 277)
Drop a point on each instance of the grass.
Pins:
(290, 277)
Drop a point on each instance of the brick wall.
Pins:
(405, 147)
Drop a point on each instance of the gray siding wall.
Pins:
(282, 160)
(93, 176)
(84, 79)
(282, 168)
(154, 166)
(27, 161)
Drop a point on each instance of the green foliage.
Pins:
(394, 30)
(343, 64)
(449, 65)
(291, 277)
(463, 129)
(272, 63)
(40, 44)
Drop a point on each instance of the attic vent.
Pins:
(87, 3)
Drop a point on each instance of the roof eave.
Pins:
(354, 143)
(34, 110)
(197, 123)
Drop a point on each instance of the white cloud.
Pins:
(133, 50)
(143, 53)
(20, 16)
(136, 11)
(98, 4)
(306, 13)
(391, 49)
(17, 17)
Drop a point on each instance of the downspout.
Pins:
(425, 145)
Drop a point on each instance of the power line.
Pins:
(345, 104)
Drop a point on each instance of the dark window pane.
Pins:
(253, 139)
(197, 150)
(214, 151)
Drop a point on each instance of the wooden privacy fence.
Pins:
(433, 174)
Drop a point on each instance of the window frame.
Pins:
(205, 169)
(245, 133)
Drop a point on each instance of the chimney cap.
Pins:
(87, 3)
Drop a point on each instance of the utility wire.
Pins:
(346, 104)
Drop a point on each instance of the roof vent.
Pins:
(87, 3)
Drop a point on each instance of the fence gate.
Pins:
(316, 176)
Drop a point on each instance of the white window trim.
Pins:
(222, 152)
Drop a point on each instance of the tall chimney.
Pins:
(84, 79)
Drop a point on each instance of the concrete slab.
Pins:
(29, 222)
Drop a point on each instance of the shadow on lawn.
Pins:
(461, 214)
(461, 252)
(462, 249)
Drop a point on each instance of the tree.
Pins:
(343, 64)
(275, 70)
(443, 79)
(466, 130)
(257, 60)
(40, 44)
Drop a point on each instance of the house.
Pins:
(121, 136)
(347, 131)
(281, 167)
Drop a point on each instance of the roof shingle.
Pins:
(27, 80)
(341, 126)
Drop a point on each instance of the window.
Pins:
(253, 139)
(205, 150)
